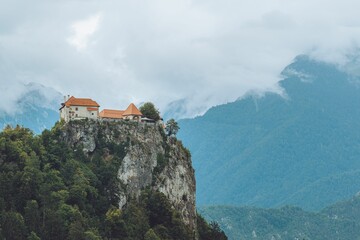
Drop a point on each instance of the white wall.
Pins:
(78, 112)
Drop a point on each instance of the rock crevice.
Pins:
(149, 160)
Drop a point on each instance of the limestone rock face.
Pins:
(149, 160)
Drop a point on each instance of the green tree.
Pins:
(216, 232)
(13, 225)
(172, 127)
(148, 110)
(31, 178)
(136, 219)
(33, 236)
(209, 232)
(163, 232)
(76, 230)
(151, 235)
(159, 209)
(32, 215)
(163, 219)
(92, 234)
(114, 224)
(54, 226)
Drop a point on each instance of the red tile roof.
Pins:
(92, 109)
(87, 102)
(132, 110)
(109, 113)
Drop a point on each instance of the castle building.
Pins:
(79, 108)
(111, 114)
(131, 113)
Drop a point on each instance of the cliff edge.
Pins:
(148, 159)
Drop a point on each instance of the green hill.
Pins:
(55, 186)
(300, 149)
(339, 221)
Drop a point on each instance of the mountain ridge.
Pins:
(338, 221)
(35, 108)
(261, 150)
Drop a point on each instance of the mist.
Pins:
(207, 52)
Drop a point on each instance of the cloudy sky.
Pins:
(207, 51)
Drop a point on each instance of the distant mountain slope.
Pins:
(175, 109)
(347, 210)
(339, 221)
(303, 149)
(37, 109)
(183, 108)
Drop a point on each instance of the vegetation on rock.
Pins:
(149, 110)
(50, 190)
(172, 127)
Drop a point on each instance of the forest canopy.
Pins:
(50, 191)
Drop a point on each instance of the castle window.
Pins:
(76, 109)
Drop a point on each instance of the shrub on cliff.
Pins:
(149, 110)
(172, 127)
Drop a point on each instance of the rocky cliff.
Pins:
(148, 159)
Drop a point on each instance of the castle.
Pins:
(85, 108)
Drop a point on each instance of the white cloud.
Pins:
(162, 50)
(83, 30)
(9, 97)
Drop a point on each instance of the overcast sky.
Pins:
(207, 51)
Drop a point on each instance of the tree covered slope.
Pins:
(300, 149)
(338, 221)
(50, 189)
